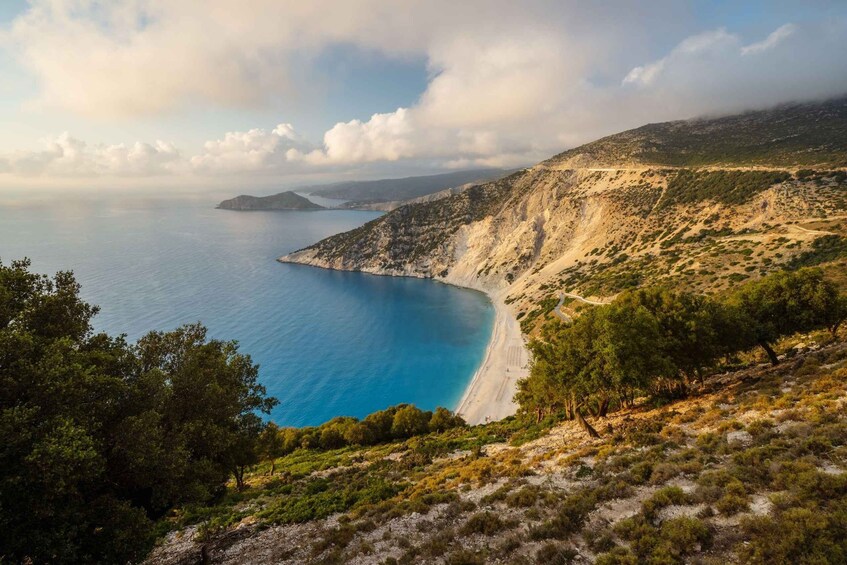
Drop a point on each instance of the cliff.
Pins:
(700, 204)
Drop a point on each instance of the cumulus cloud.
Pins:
(65, 155)
(775, 38)
(509, 83)
(504, 102)
(253, 150)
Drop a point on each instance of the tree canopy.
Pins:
(658, 341)
(101, 437)
(788, 302)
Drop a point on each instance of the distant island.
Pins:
(282, 201)
(382, 194)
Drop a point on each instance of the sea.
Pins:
(328, 343)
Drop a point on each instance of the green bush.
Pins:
(484, 523)
(663, 498)
(683, 535)
(569, 519)
(555, 554)
(617, 556)
(728, 187)
(796, 535)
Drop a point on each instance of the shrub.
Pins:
(570, 518)
(684, 534)
(732, 504)
(617, 556)
(599, 541)
(442, 420)
(663, 472)
(485, 523)
(661, 499)
(359, 434)
(797, 535)
(524, 498)
(555, 554)
(642, 536)
(509, 545)
(465, 557)
(410, 421)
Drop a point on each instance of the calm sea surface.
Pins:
(329, 343)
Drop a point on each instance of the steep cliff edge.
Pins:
(616, 212)
(667, 203)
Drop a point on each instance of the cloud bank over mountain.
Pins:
(509, 83)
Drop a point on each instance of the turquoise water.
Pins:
(329, 343)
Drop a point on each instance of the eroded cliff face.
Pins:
(590, 231)
(616, 214)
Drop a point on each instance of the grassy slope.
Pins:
(756, 458)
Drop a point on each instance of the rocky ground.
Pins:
(751, 469)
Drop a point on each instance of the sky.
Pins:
(265, 93)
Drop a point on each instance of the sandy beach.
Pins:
(489, 395)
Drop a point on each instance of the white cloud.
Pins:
(714, 41)
(385, 137)
(253, 150)
(775, 38)
(65, 155)
(645, 75)
(510, 83)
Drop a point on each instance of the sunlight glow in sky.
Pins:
(268, 92)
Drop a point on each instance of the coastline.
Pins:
(489, 395)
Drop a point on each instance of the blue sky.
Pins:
(157, 92)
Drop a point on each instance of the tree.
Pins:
(380, 423)
(209, 398)
(359, 434)
(785, 302)
(836, 315)
(601, 359)
(410, 421)
(442, 420)
(101, 437)
(635, 353)
(270, 445)
(333, 432)
(291, 439)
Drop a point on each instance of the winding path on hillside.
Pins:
(564, 317)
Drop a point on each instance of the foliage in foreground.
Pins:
(394, 423)
(658, 342)
(102, 437)
(749, 468)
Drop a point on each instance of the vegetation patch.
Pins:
(727, 187)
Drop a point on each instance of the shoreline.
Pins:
(488, 396)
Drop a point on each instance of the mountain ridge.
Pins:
(572, 224)
(399, 189)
